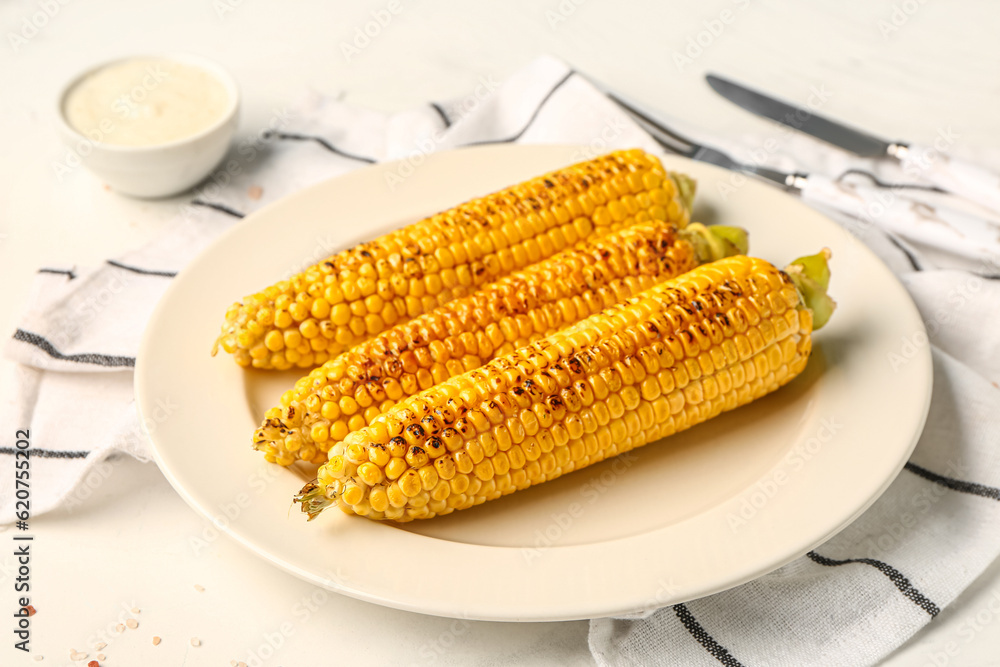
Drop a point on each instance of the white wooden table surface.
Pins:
(900, 69)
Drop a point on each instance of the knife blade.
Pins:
(931, 163)
(850, 139)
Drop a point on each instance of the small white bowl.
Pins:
(158, 170)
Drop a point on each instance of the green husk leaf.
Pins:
(811, 275)
(686, 187)
(715, 242)
(737, 237)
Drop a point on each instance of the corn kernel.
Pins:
(409, 483)
(320, 432)
(353, 494)
(370, 473)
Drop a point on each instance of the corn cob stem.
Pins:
(313, 500)
(354, 295)
(676, 355)
(348, 392)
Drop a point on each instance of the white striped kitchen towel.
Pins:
(850, 602)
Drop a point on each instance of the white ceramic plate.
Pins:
(695, 514)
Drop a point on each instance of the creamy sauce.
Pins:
(145, 102)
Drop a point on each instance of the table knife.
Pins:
(950, 174)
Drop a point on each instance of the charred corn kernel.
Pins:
(436, 260)
(533, 386)
(445, 467)
(509, 313)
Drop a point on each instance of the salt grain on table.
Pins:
(195, 641)
(100, 656)
(156, 641)
(132, 623)
(76, 655)
(99, 645)
(199, 588)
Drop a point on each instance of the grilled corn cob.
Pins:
(349, 391)
(680, 353)
(357, 293)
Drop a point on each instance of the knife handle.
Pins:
(974, 239)
(951, 174)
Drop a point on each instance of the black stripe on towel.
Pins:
(218, 207)
(894, 575)
(63, 272)
(45, 453)
(139, 269)
(534, 115)
(444, 116)
(906, 251)
(319, 140)
(955, 484)
(718, 651)
(96, 359)
(916, 266)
